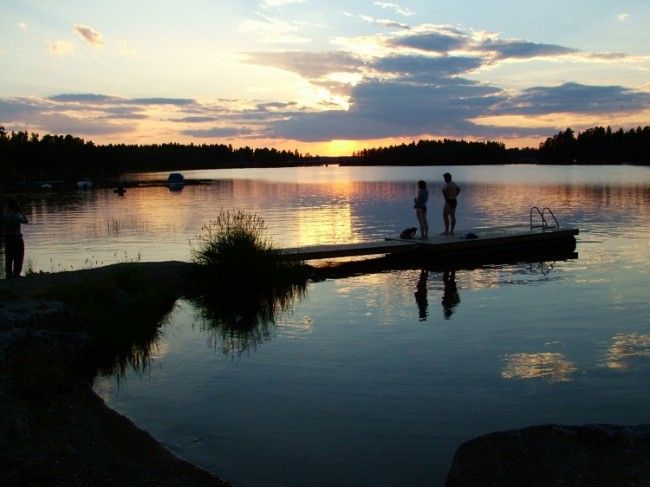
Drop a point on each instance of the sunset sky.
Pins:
(325, 77)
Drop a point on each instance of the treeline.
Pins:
(24, 155)
(30, 156)
(439, 152)
(597, 145)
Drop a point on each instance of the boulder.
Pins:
(555, 455)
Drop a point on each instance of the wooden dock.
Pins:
(494, 239)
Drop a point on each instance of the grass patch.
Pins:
(234, 252)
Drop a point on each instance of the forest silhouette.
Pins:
(29, 156)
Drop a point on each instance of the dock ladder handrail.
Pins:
(544, 224)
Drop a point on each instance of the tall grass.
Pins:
(235, 252)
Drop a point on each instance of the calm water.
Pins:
(376, 379)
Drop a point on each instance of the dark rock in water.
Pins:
(555, 455)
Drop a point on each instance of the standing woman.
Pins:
(14, 245)
(421, 208)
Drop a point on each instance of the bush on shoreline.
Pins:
(235, 254)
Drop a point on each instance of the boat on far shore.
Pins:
(84, 184)
(175, 181)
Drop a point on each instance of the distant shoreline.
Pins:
(30, 156)
(103, 180)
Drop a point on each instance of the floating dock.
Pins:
(495, 239)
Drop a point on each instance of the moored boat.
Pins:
(175, 181)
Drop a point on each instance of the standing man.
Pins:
(450, 191)
(14, 245)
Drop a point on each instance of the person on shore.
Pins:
(14, 244)
(450, 191)
(420, 205)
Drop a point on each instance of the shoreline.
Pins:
(54, 428)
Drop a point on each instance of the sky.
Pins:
(323, 77)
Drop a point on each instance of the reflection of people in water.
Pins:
(450, 297)
(421, 294)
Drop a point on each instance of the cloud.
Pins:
(196, 119)
(219, 132)
(89, 35)
(13, 108)
(63, 124)
(396, 108)
(162, 101)
(623, 16)
(439, 39)
(402, 11)
(384, 22)
(280, 3)
(418, 82)
(574, 98)
(61, 48)
(47, 115)
(426, 67)
(517, 49)
(85, 98)
(275, 31)
(308, 64)
(22, 26)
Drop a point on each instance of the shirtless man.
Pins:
(450, 191)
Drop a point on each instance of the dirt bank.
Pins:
(54, 429)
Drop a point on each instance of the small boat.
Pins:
(175, 181)
(84, 184)
(120, 190)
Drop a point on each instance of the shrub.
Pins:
(235, 253)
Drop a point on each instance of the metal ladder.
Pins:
(544, 224)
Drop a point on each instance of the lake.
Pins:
(377, 379)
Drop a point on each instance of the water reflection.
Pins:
(552, 367)
(450, 297)
(69, 226)
(421, 295)
(237, 322)
(626, 347)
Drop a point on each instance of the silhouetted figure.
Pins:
(421, 295)
(450, 191)
(14, 244)
(450, 297)
(420, 205)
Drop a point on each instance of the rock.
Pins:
(555, 455)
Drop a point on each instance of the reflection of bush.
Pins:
(242, 281)
(242, 319)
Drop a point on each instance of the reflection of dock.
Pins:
(488, 240)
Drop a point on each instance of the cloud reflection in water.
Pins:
(625, 347)
(552, 367)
